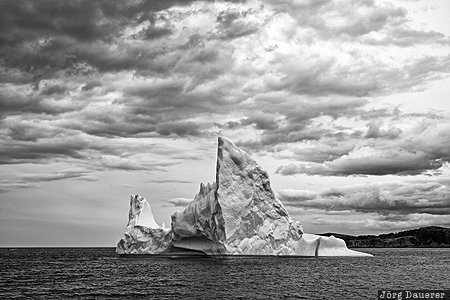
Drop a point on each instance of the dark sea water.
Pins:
(98, 273)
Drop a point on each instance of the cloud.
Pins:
(52, 176)
(22, 99)
(234, 23)
(25, 181)
(404, 37)
(261, 121)
(120, 163)
(291, 195)
(153, 32)
(318, 75)
(6, 186)
(279, 77)
(371, 22)
(178, 202)
(45, 37)
(178, 128)
(42, 144)
(367, 161)
(387, 223)
(398, 198)
(24, 151)
(418, 150)
(374, 130)
(91, 85)
(169, 181)
(54, 89)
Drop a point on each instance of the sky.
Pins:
(344, 102)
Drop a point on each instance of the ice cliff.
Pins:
(238, 214)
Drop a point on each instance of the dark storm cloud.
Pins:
(382, 198)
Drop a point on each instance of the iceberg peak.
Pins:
(238, 214)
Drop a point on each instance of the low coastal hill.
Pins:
(425, 237)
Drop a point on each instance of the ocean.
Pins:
(99, 273)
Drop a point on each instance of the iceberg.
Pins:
(238, 214)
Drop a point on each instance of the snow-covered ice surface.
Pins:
(238, 214)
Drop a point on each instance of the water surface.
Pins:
(87, 273)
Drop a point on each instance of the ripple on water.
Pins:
(87, 273)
